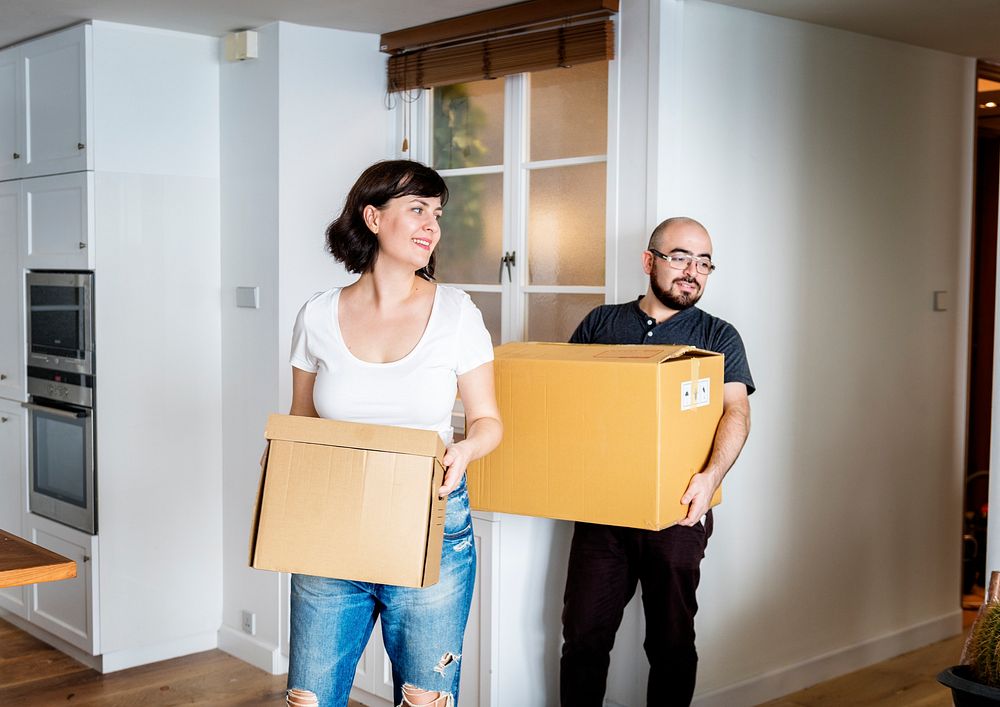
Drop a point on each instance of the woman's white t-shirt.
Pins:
(418, 390)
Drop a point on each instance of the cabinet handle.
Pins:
(80, 146)
(86, 558)
(17, 155)
(82, 245)
(3, 419)
(3, 376)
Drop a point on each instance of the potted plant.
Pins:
(975, 681)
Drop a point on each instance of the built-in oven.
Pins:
(62, 464)
(61, 459)
(61, 321)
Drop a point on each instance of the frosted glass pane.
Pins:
(471, 230)
(468, 125)
(566, 225)
(489, 306)
(553, 317)
(569, 112)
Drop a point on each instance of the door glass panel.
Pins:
(566, 225)
(569, 112)
(60, 458)
(554, 317)
(468, 125)
(471, 230)
(489, 305)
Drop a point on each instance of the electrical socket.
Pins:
(249, 622)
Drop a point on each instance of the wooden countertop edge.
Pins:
(36, 563)
(39, 573)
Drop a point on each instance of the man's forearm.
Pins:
(730, 436)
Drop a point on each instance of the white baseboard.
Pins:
(122, 660)
(119, 660)
(262, 655)
(799, 676)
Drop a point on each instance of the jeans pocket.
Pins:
(457, 517)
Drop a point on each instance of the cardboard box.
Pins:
(603, 434)
(351, 501)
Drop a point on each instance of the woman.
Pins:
(392, 349)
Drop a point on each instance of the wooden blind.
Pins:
(550, 34)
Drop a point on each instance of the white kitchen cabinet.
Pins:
(54, 108)
(58, 222)
(373, 679)
(67, 608)
(12, 373)
(11, 114)
(13, 478)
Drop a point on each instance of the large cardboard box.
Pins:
(351, 501)
(603, 434)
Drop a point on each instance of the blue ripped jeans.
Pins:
(332, 620)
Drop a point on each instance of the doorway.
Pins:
(982, 319)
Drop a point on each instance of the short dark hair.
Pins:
(350, 240)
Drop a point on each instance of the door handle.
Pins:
(72, 414)
(507, 261)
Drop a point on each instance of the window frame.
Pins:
(516, 170)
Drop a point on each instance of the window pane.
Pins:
(554, 317)
(471, 230)
(569, 111)
(468, 125)
(566, 225)
(489, 305)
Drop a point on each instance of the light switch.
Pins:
(941, 302)
(248, 297)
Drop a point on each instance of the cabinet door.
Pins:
(56, 95)
(65, 608)
(11, 114)
(12, 373)
(58, 222)
(13, 497)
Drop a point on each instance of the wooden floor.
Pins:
(34, 675)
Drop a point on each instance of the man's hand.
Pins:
(730, 436)
(698, 497)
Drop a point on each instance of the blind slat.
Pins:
(496, 57)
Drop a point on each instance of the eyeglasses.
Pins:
(681, 261)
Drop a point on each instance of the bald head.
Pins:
(676, 225)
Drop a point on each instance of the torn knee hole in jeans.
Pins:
(447, 659)
(301, 698)
(414, 696)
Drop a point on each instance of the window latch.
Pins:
(507, 261)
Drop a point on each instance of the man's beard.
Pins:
(668, 299)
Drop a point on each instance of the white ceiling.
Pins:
(969, 27)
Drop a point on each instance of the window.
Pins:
(525, 231)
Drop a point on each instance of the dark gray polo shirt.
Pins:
(627, 324)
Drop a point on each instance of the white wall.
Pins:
(298, 125)
(834, 172)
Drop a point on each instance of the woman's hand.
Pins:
(456, 459)
(483, 428)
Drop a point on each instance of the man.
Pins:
(606, 562)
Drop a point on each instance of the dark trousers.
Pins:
(605, 563)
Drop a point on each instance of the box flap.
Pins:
(620, 353)
(335, 433)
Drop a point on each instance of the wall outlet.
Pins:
(249, 622)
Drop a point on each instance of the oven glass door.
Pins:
(60, 327)
(62, 465)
